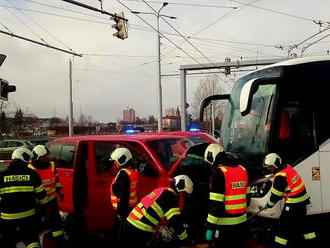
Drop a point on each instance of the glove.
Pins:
(266, 206)
(209, 235)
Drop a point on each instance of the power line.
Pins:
(156, 31)
(93, 8)
(189, 4)
(44, 29)
(274, 11)
(39, 43)
(26, 25)
(132, 26)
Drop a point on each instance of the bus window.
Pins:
(296, 131)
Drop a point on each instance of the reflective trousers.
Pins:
(293, 224)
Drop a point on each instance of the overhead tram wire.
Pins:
(274, 11)
(184, 38)
(24, 24)
(189, 4)
(162, 34)
(39, 43)
(75, 18)
(217, 20)
(43, 28)
(132, 26)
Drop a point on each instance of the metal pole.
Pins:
(70, 103)
(159, 88)
(183, 100)
(213, 114)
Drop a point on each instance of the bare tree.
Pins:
(209, 86)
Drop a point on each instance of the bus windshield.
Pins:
(248, 134)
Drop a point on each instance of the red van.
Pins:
(85, 173)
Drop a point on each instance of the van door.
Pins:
(99, 213)
(63, 157)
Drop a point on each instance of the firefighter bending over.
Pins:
(47, 172)
(162, 203)
(123, 187)
(288, 184)
(227, 215)
(21, 192)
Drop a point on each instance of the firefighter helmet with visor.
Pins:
(40, 151)
(183, 184)
(212, 151)
(273, 159)
(121, 155)
(23, 154)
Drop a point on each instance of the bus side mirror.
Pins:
(246, 96)
(248, 90)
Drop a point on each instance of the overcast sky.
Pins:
(114, 74)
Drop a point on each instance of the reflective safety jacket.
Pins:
(21, 191)
(162, 203)
(288, 185)
(133, 180)
(228, 196)
(49, 180)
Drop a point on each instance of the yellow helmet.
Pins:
(183, 183)
(40, 151)
(272, 159)
(22, 154)
(212, 151)
(121, 155)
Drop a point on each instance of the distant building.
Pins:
(129, 115)
(172, 112)
(171, 121)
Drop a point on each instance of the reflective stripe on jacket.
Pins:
(49, 180)
(133, 178)
(236, 180)
(294, 187)
(21, 190)
(144, 208)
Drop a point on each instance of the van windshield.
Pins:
(168, 151)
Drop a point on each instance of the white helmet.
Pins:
(40, 151)
(22, 154)
(183, 183)
(212, 151)
(273, 159)
(121, 155)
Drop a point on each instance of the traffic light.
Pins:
(120, 26)
(5, 88)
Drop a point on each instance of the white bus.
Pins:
(282, 108)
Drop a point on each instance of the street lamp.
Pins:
(159, 86)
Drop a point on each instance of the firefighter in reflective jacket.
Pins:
(162, 203)
(21, 193)
(289, 185)
(123, 187)
(48, 175)
(227, 215)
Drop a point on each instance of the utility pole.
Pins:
(159, 83)
(159, 87)
(70, 102)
